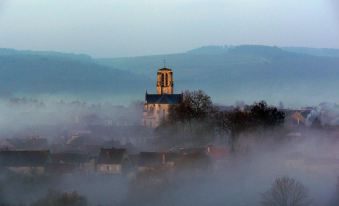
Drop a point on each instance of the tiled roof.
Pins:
(69, 158)
(111, 156)
(150, 159)
(24, 158)
(163, 98)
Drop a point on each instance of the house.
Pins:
(218, 152)
(67, 162)
(151, 161)
(194, 159)
(113, 161)
(296, 117)
(147, 161)
(25, 162)
(219, 155)
(192, 150)
(83, 142)
(170, 159)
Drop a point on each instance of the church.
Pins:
(157, 105)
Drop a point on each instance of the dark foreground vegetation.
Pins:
(198, 121)
(54, 198)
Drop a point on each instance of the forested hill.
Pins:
(33, 73)
(296, 76)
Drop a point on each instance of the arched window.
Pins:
(166, 79)
(171, 79)
(162, 80)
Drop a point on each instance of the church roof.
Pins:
(163, 98)
(165, 69)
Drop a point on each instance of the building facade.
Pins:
(113, 161)
(156, 106)
(25, 162)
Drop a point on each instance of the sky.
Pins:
(115, 28)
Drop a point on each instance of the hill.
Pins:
(247, 72)
(295, 76)
(28, 73)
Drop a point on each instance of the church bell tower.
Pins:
(165, 81)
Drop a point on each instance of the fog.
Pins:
(243, 179)
(20, 114)
(326, 113)
(239, 181)
(306, 154)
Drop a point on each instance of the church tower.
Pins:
(165, 81)
(156, 107)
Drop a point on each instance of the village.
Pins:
(121, 153)
(159, 143)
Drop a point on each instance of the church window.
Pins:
(166, 79)
(171, 79)
(162, 80)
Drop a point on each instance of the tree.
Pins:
(234, 123)
(258, 115)
(55, 198)
(196, 105)
(286, 191)
(263, 115)
(191, 121)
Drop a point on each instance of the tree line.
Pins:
(198, 119)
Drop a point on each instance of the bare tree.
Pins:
(192, 121)
(196, 105)
(286, 191)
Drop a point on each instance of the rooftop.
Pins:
(111, 156)
(165, 69)
(163, 98)
(24, 158)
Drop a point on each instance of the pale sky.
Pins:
(113, 28)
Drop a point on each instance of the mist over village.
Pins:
(171, 103)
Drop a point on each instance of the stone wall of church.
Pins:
(154, 114)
